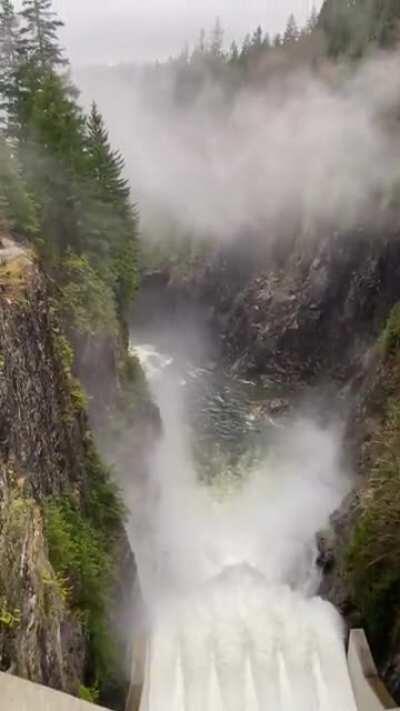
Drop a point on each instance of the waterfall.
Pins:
(230, 581)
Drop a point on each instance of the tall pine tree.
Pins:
(118, 227)
(17, 209)
(51, 141)
(292, 31)
(9, 56)
(40, 27)
(217, 40)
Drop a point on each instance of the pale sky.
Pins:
(107, 31)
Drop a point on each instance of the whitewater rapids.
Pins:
(234, 624)
(236, 645)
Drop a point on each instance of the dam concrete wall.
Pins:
(20, 695)
(369, 691)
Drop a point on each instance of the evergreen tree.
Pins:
(118, 228)
(266, 42)
(233, 53)
(51, 140)
(246, 49)
(201, 47)
(387, 19)
(351, 26)
(292, 31)
(17, 209)
(257, 39)
(40, 27)
(9, 54)
(217, 40)
(106, 164)
(312, 22)
(277, 41)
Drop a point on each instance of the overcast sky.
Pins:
(119, 30)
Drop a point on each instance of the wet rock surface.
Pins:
(44, 440)
(41, 453)
(309, 312)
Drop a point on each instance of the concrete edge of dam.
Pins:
(20, 695)
(369, 690)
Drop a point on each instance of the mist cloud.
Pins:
(318, 147)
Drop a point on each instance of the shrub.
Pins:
(78, 396)
(64, 352)
(391, 334)
(134, 384)
(90, 694)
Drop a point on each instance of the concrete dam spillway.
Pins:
(237, 645)
(230, 580)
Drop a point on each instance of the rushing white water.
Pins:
(229, 580)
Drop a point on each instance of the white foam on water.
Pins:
(239, 645)
(230, 583)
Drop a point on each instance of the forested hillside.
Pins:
(216, 104)
(61, 183)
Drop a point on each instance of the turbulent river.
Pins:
(224, 537)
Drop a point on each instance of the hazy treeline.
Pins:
(61, 182)
(271, 135)
(342, 29)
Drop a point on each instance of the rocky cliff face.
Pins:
(315, 314)
(42, 454)
(297, 313)
(47, 464)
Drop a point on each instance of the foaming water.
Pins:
(237, 644)
(229, 576)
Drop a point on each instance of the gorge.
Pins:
(200, 368)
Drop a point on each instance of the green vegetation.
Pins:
(8, 618)
(17, 208)
(352, 27)
(373, 558)
(135, 389)
(90, 694)
(373, 555)
(86, 301)
(63, 352)
(61, 182)
(80, 539)
(78, 396)
(391, 334)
